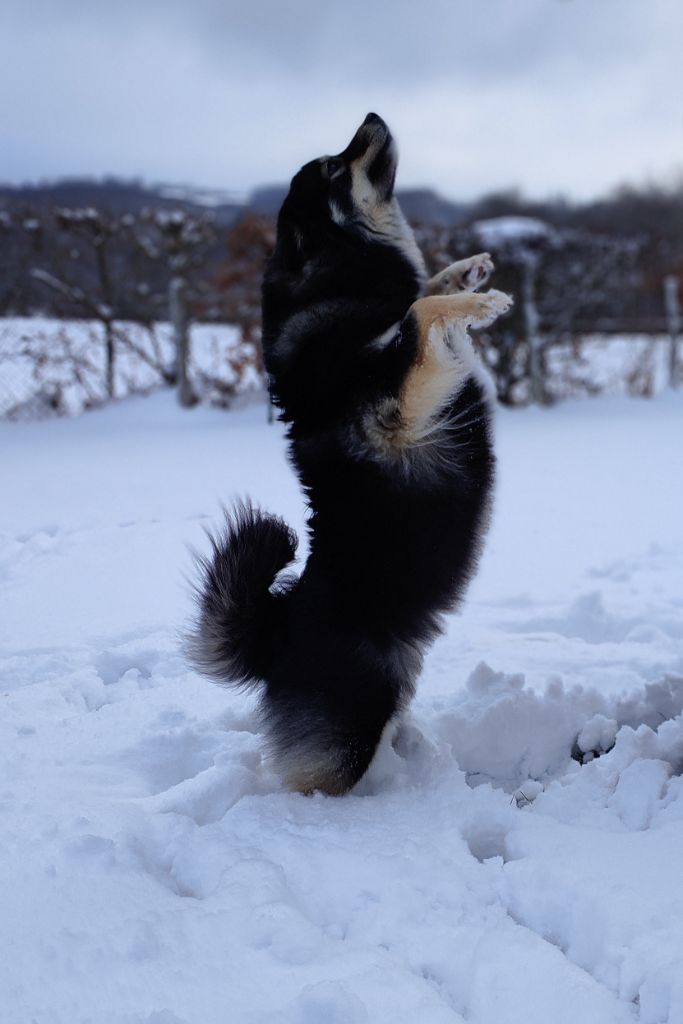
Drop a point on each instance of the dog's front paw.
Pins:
(475, 271)
(489, 306)
(464, 276)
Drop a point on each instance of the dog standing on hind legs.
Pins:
(388, 414)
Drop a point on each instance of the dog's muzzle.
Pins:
(373, 150)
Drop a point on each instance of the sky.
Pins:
(555, 97)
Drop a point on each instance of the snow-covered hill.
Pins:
(152, 870)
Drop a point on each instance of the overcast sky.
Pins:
(571, 96)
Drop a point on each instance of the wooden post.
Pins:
(673, 321)
(532, 322)
(110, 358)
(181, 340)
(107, 306)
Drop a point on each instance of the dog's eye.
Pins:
(334, 167)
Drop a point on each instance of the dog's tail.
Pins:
(240, 625)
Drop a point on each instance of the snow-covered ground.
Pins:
(153, 871)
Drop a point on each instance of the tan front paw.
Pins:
(489, 306)
(463, 276)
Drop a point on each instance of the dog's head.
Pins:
(353, 190)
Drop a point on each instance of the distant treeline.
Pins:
(69, 229)
(656, 209)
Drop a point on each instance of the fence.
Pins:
(51, 367)
(591, 315)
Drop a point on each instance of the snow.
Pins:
(155, 872)
(603, 364)
(496, 231)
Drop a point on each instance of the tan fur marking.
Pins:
(308, 770)
(441, 365)
(308, 784)
(429, 383)
(315, 778)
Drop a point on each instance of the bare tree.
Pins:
(95, 230)
(238, 279)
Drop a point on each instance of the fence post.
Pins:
(673, 322)
(181, 340)
(532, 323)
(110, 358)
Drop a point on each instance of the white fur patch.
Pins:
(460, 343)
(336, 213)
(384, 339)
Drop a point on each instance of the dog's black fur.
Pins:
(397, 468)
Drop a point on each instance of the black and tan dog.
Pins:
(389, 422)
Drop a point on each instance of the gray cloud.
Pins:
(570, 95)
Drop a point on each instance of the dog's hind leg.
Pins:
(316, 746)
(332, 769)
(463, 276)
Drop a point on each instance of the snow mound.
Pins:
(500, 731)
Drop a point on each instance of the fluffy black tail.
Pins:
(239, 627)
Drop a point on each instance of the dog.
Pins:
(389, 422)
